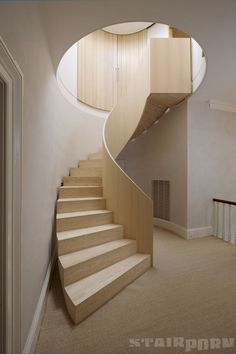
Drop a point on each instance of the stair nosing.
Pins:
(102, 284)
(82, 213)
(78, 187)
(87, 231)
(104, 248)
(60, 200)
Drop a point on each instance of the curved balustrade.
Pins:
(142, 104)
(131, 206)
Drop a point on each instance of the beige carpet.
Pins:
(192, 294)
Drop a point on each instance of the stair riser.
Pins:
(86, 172)
(82, 181)
(80, 205)
(82, 270)
(90, 164)
(80, 312)
(80, 192)
(95, 156)
(89, 240)
(79, 222)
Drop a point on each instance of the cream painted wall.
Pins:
(198, 64)
(211, 161)
(67, 70)
(55, 136)
(161, 153)
(158, 30)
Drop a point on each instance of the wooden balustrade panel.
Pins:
(170, 65)
(131, 206)
(149, 93)
(97, 62)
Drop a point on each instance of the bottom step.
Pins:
(87, 295)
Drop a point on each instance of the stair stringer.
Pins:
(131, 207)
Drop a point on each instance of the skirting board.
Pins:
(222, 106)
(32, 338)
(188, 234)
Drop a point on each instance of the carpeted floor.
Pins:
(192, 294)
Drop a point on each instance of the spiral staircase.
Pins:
(104, 220)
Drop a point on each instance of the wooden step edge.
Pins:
(79, 187)
(63, 235)
(80, 308)
(79, 257)
(81, 264)
(80, 199)
(85, 238)
(76, 214)
(82, 181)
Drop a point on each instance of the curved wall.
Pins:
(67, 71)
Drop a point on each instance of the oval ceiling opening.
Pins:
(96, 70)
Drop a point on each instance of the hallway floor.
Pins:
(192, 294)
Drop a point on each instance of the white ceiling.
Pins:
(128, 27)
(67, 21)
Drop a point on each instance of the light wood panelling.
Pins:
(155, 107)
(86, 172)
(80, 191)
(132, 51)
(90, 163)
(88, 294)
(131, 207)
(138, 107)
(176, 33)
(106, 64)
(95, 156)
(69, 205)
(82, 219)
(75, 240)
(82, 181)
(77, 265)
(97, 60)
(170, 65)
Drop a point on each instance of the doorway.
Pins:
(2, 216)
(11, 99)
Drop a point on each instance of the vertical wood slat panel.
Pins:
(132, 50)
(97, 62)
(171, 65)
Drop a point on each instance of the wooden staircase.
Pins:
(95, 259)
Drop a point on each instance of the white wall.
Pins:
(67, 70)
(211, 161)
(198, 64)
(158, 30)
(55, 136)
(161, 153)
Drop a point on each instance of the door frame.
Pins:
(13, 78)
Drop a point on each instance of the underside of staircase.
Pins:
(96, 260)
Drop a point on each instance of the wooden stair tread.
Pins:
(90, 162)
(87, 287)
(64, 235)
(79, 199)
(82, 181)
(71, 259)
(82, 213)
(79, 187)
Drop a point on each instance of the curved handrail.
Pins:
(132, 208)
